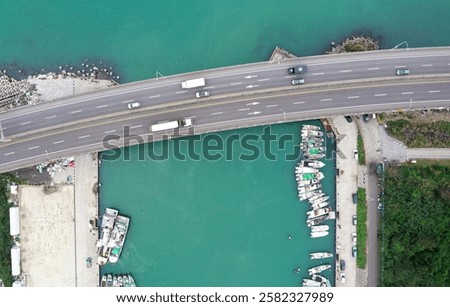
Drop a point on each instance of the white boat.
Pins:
(310, 176)
(315, 197)
(320, 255)
(118, 237)
(307, 195)
(319, 278)
(317, 206)
(317, 220)
(319, 269)
(319, 212)
(311, 283)
(304, 169)
(311, 133)
(314, 156)
(120, 281)
(312, 187)
(115, 282)
(320, 228)
(318, 200)
(126, 282)
(109, 280)
(103, 282)
(319, 234)
(131, 279)
(108, 221)
(314, 163)
(305, 183)
(310, 127)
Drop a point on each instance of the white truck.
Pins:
(171, 125)
(193, 83)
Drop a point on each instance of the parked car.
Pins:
(354, 251)
(348, 118)
(355, 198)
(354, 238)
(134, 105)
(298, 81)
(402, 72)
(342, 277)
(342, 265)
(355, 154)
(354, 220)
(380, 206)
(88, 262)
(297, 70)
(203, 94)
(366, 117)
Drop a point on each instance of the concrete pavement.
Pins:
(427, 153)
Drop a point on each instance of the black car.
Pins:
(342, 265)
(348, 118)
(297, 70)
(366, 117)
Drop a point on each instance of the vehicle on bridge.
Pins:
(134, 105)
(202, 94)
(298, 81)
(171, 125)
(193, 83)
(297, 70)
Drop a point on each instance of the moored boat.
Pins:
(126, 282)
(320, 255)
(118, 237)
(317, 220)
(310, 283)
(319, 234)
(103, 281)
(120, 281)
(319, 269)
(315, 164)
(319, 212)
(115, 281)
(109, 280)
(131, 279)
(310, 127)
(108, 221)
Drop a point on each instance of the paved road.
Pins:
(242, 95)
(428, 153)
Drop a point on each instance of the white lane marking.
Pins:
(352, 97)
(328, 99)
(180, 92)
(348, 70)
(290, 77)
(57, 142)
(102, 106)
(110, 131)
(272, 106)
(216, 113)
(246, 109)
(373, 68)
(77, 111)
(427, 65)
(84, 136)
(298, 102)
(49, 117)
(9, 153)
(128, 101)
(25, 123)
(262, 80)
(380, 95)
(253, 103)
(254, 113)
(134, 127)
(252, 85)
(318, 73)
(407, 93)
(434, 91)
(251, 76)
(400, 66)
(34, 147)
(209, 87)
(236, 83)
(155, 96)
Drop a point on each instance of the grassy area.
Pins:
(415, 239)
(5, 238)
(417, 135)
(361, 152)
(361, 229)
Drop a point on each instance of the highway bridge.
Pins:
(241, 96)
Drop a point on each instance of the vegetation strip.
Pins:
(361, 152)
(361, 229)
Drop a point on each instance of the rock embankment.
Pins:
(355, 44)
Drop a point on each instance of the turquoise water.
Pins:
(139, 38)
(215, 223)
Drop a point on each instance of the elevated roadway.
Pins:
(241, 96)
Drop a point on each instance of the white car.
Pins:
(354, 238)
(343, 278)
(134, 105)
(355, 154)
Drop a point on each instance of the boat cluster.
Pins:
(309, 179)
(317, 280)
(122, 280)
(114, 229)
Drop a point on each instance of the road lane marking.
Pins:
(58, 142)
(290, 77)
(156, 96)
(348, 70)
(373, 68)
(254, 113)
(50, 117)
(128, 101)
(298, 102)
(246, 109)
(328, 99)
(427, 65)
(352, 97)
(180, 92)
(110, 131)
(25, 123)
(400, 66)
(216, 113)
(134, 127)
(262, 80)
(379, 95)
(407, 93)
(102, 106)
(318, 73)
(251, 76)
(34, 147)
(272, 106)
(84, 136)
(77, 111)
(434, 91)
(9, 153)
(253, 103)
(209, 87)
(236, 83)
(252, 85)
